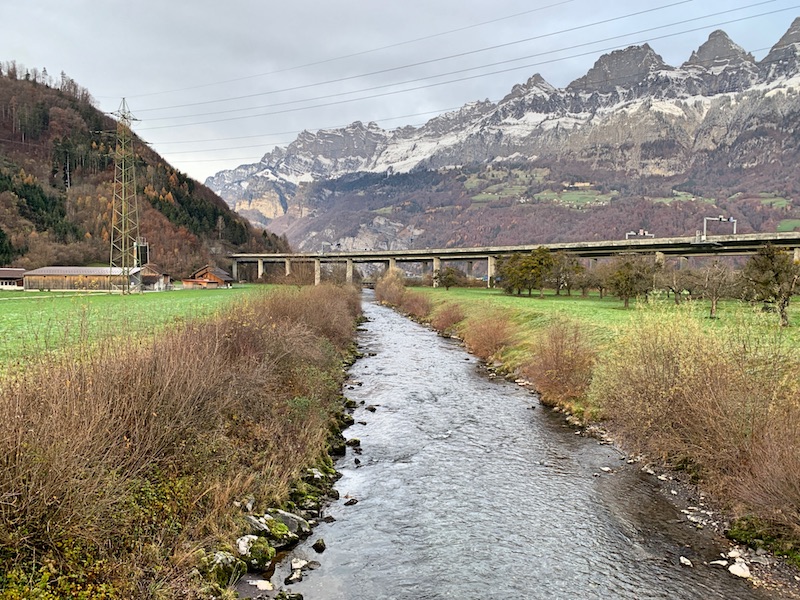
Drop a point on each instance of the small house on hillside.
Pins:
(11, 279)
(154, 280)
(208, 277)
(81, 278)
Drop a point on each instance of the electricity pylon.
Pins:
(125, 211)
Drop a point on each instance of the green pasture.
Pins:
(33, 322)
(788, 225)
(604, 318)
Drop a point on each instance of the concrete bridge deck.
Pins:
(698, 245)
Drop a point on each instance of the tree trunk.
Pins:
(713, 307)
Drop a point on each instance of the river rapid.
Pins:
(467, 488)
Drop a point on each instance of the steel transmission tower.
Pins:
(125, 211)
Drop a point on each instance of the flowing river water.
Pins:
(468, 489)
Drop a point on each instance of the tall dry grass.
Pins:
(117, 460)
(416, 305)
(391, 288)
(725, 402)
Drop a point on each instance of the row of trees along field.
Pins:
(771, 276)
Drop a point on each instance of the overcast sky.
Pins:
(217, 83)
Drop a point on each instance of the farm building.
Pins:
(11, 279)
(80, 278)
(208, 277)
(154, 280)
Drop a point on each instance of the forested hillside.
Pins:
(56, 186)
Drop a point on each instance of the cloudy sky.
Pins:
(217, 83)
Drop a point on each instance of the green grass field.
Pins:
(788, 225)
(602, 318)
(32, 322)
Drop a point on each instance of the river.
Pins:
(468, 489)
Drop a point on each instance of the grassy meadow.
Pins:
(33, 322)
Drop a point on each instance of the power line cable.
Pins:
(443, 58)
(361, 52)
(468, 78)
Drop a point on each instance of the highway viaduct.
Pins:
(698, 245)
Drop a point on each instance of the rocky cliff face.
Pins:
(630, 113)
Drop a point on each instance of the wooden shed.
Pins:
(80, 278)
(153, 279)
(208, 277)
(11, 279)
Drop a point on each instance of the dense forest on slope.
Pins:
(56, 186)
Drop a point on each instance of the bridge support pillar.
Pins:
(317, 271)
(287, 263)
(392, 263)
(437, 267)
(470, 264)
(660, 259)
(235, 270)
(797, 255)
(260, 268)
(491, 269)
(349, 275)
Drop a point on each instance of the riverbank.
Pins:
(132, 467)
(713, 400)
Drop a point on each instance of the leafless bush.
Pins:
(562, 364)
(722, 401)
(123, 454)
(391, 288)
(447, 316)
(416, 304)
(486, 336)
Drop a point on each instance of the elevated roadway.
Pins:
(697, 245)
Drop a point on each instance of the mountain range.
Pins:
(633, 144)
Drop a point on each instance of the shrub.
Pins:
(390, 288)
(447, 316)
(415, 304)
(724, 402)
(487, 336)
(118, 461)
(562, 364)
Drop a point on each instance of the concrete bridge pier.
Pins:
(797, 255)
(491, 270)
(392, 263)
(349, 274)
(437, 267)
(260, 268)
(235, 270)
(287, 263)
(317, 271)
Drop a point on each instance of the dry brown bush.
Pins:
(415, 304)
(447, 316)
(486, 336)
(391, 288)
(724, 402)
(119, 456)
(562, 364)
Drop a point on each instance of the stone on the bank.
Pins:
(295, 577)
(319, 546)
(719, 563)
(686, 562)
(274, 530)
(740, 569)
(261, 585)
(298, 563)
(243, 544)
(295, 523)
(224, 568)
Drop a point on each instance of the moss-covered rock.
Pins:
(222, 568)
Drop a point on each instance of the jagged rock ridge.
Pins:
(631, 112)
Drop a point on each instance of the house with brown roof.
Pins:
(153, 280)
(208, 277)
(11, 279)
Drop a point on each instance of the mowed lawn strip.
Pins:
(34, 322)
